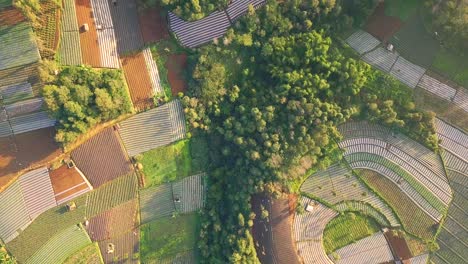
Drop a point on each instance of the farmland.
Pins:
(69, 52)
(153, 24)
(48, 29)
(67, 183)
(138, 79)
(169, 236)
(87, 255)
(18, 46)
(5, 3)
(403, 206)
(126, 248)
(10, 16)
(88, 40)
(126, 26)
(346, 229)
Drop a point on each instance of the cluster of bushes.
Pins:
(192, 9)
(81, 97)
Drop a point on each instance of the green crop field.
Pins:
(87, 255)
(346, 229)
(47, 29)
(18, 46)
(168, 236)
(403, 206)
(402, 9)
(174, 162)
(453, 66)
(5, 3)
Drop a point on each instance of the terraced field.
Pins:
(18, 46)
(69, 52)
(126, 248)
(337, 184)
(61, 246)
(19, 76)
(48, 29)
(138, 79)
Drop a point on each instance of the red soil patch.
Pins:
(382, 26)
(27, 150)
(273, 239)
(176, 64)
(11, 16)
(138, 79)
(399, 246)
(88, 40)
(66, 182)
(102, 158)
(153, 25)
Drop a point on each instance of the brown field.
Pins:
(153, 25)
(382, 26)
(114, 222)
(66, 182)
(27, 150)
(88, 40)
(11, 16)
(25, 73)
(398, 245)
(138, 79)
(102, 158)
(273, 239)
(126, 248)
(176, 64)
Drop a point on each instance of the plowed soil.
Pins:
(66, 182)
(176, 64)
(32, 149)
(382, 26)
(138, 80)
(11, 16)
(102, 158)
(88, 40)
(125, 247)
(398, 245)
(273, 239)
(153, 25)
(114, 222)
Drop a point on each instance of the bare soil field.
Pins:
(176, 64)
(114, 222)
(273, 238)
(66, 182)
(102, 158)
(382, 26)
(89, 42)
(398, 245)
(138, 80)
(126, 248)
(153, 25)
(32, 149)
(11, 16)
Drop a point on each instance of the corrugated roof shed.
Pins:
(37, 191)
(14, 216)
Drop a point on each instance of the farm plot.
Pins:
(461, 99)
(414, 43)
(153, 24)
(347, 228)
(437, 87)
(398, 245)
(176, 64)
(114, 222)
(61, 246)
(381, 25)
(153, 71)
(362, 42)
(122, 249)
(37, 191)
(373, 249)
(138, 79)
(18, 46)
(407, 72)
(69, 52)
(272, 236)
(126, 26)
(156, 202)
(308, 231)
(10, 16)
(24, 107)
(359, 129)
(105, 33)
(102, 158)
(365, 209)
(451, 65)
(68, 183)
(338, 184)
(15, 217)
(154, 128)
(238, 8)
(90, 50)
(170, 239)
(31, 122)
(197, 33)
(89, 255)
(48, 29)
(112, 194)
(381, 59)
(5, 3)
(19, 76)
(189, 193)
(452, 139)
(404, 207)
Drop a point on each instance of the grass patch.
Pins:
(402, 9)
(346, 229)
(174, 162)
(168, 236)
(88, 255)
(406, 210)
(453, 66)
